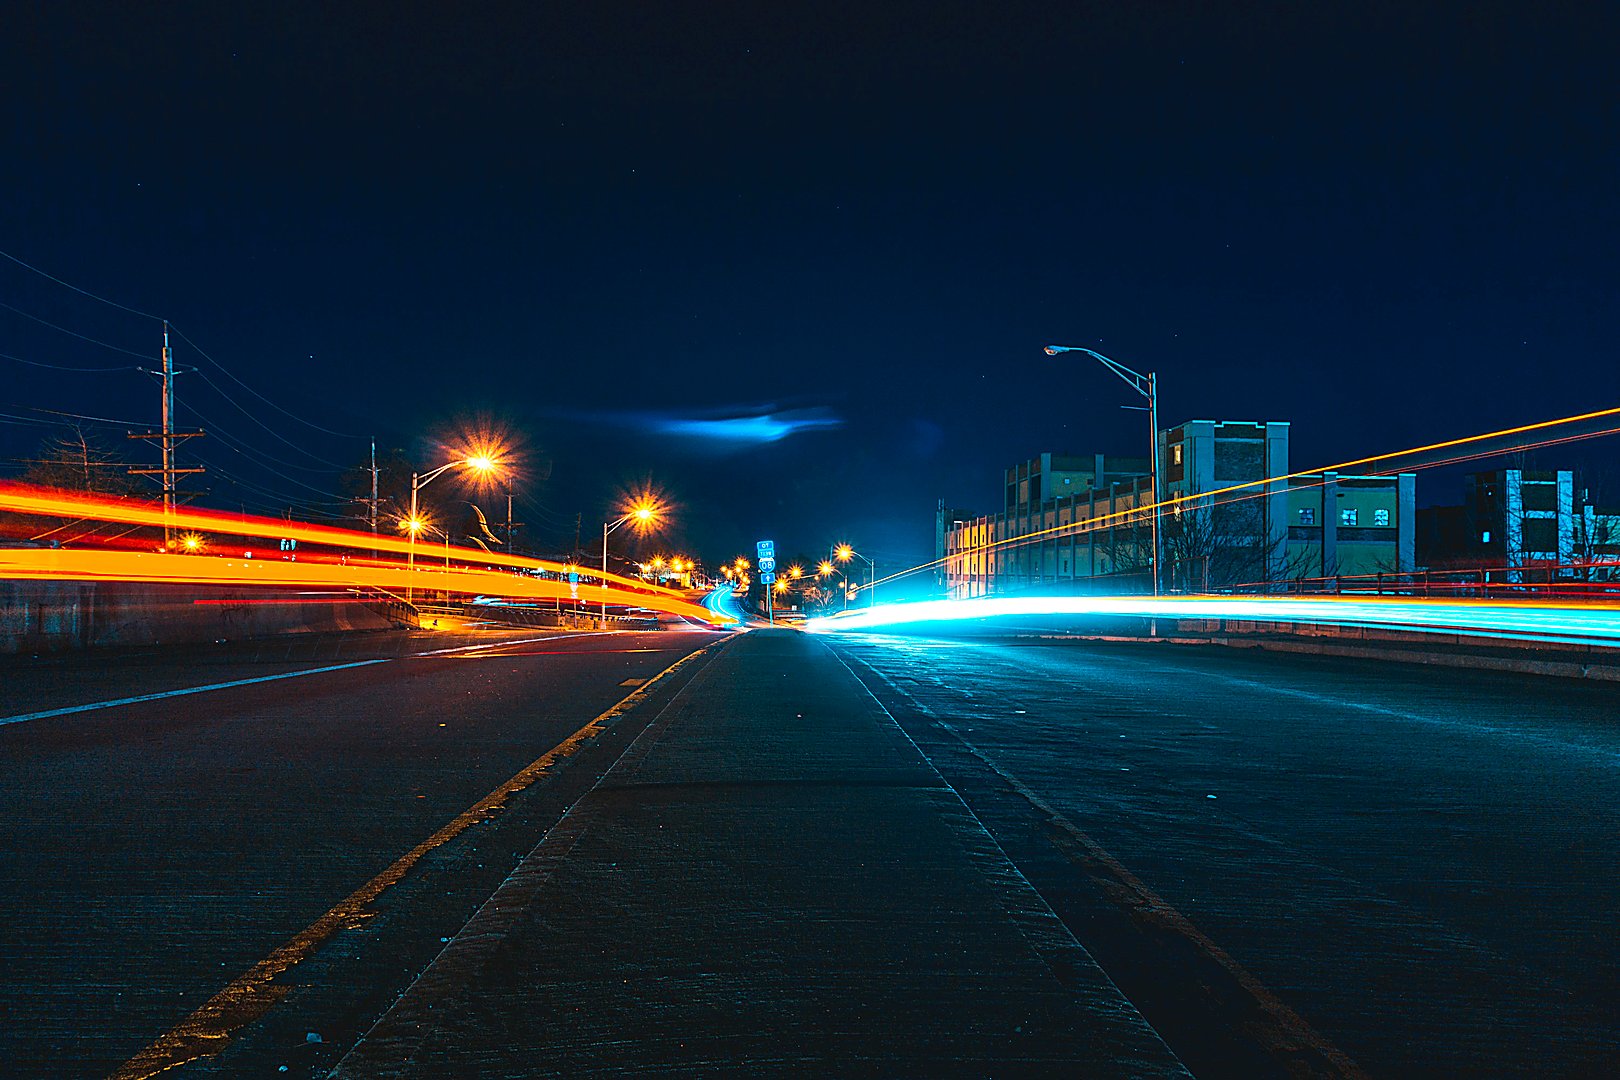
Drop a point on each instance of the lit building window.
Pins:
(1348, 516)
(1307, 515)
(1175, 454)
(1381, 517)
(1485, 537)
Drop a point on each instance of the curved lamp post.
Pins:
(413, 525)
(1148, 386)
(641, 515)
(843, 553)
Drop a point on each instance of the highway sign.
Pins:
(767, 565)
(767, 578)
(766, 549)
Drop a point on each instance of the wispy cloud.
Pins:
(735, 428)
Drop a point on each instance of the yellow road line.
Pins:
(207, 1030)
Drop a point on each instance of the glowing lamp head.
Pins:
(481, 463)
(412, 525)
(844, 553)
(824, 569)
(795, 572)
(780, 586)
(191, 542)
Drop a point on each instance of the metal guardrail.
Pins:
(522, 615)
(391, 607)
(1599, 582)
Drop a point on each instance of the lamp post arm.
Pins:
(1148, 386)
(423, 481)
(1136, 380)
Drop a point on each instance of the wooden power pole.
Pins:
(170, 439)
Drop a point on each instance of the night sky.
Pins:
(795, 264)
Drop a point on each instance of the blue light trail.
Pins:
(1586, 624)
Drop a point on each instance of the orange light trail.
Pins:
(494, 577)
(47, 502)
(66, 564)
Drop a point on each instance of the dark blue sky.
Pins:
(1383, 222)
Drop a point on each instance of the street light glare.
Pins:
(481, 462)
(843, 553)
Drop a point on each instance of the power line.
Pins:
(340, 434)
(63, 367)
(242, 447)
(148, 315)
(98, 419)
(74, 333)
(81, 292)
(262, 424)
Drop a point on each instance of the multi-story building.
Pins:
(1232, 517)
(1519, 520)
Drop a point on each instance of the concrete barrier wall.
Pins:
(50, 616)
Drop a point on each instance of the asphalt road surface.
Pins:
(1418, 864)
(1373, 869)
(153, 852)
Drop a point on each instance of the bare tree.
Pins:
(1223, 545)
(77, 461)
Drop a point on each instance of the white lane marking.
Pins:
(94, 705)
(181, 693)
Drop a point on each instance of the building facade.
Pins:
(1232, 518)
(1524, 522)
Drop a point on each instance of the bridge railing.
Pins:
(1594, 581)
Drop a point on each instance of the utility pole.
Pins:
(169, 438)
(510, 524)
(374, 485)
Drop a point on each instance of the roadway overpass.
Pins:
(573, 853)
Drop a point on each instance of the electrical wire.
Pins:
(97, 419)
(226, 372)
(148, 315)
(277, 435)
(81, 292)
(75, 333)
(63, 367)
(217, 431)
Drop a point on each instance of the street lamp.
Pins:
(479, 463)
(1148, 386)
(843, 553)
(640, 515)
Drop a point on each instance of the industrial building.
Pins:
(1232, 518)
(1527, 523)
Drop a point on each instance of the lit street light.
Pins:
(479, 463)
(641, 515)
(843, 553)
(1148, 386)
